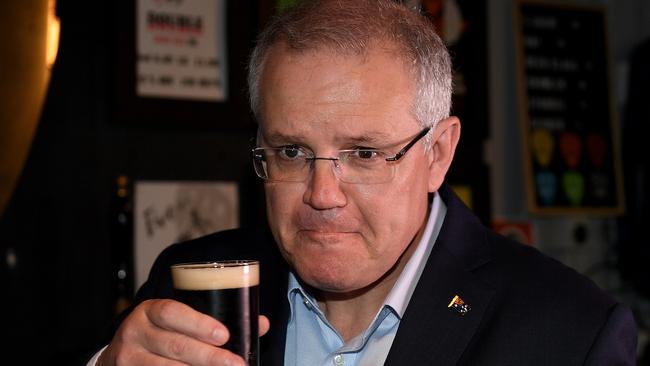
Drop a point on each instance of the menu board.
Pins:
(571, 145)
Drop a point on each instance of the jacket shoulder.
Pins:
(524, 269)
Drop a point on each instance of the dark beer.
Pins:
(229, 292)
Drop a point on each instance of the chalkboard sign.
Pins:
(571, 152)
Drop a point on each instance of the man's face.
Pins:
(341, 237)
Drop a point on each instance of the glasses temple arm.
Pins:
(409, 145)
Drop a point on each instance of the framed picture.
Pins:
(182, 63)
(571, 145)
(167, 212)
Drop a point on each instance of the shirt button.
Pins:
(307, 304)
(338, 360)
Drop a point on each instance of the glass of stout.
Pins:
(229, 292)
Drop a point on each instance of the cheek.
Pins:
(282, 203)
(406, 204)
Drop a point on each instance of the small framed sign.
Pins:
(182, 63)
(181, 50)
(571, 145)
(167, 212)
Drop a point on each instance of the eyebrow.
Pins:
(277, 137)
(374, 138)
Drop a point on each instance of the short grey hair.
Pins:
(352, 27)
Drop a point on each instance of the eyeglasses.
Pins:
(293, 163)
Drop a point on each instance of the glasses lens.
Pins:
(259, 163)
(365, 167)
(352, 166)
(280, 165)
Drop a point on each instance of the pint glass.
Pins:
(229, 292)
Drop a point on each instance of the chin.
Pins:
(331, 276)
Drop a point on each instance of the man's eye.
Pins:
(366, 154)
(291, 152)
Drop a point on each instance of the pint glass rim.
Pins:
(216, 264)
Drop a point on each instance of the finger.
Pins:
(148, 359)
(264, 325)
(180, 347)
(178, 317)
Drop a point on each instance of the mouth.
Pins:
(325, 236)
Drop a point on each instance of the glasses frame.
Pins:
(258, 157)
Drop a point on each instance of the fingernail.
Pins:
(219, 336)
(234, 361)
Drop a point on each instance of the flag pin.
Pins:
(459, 305)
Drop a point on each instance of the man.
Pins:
(372, 259)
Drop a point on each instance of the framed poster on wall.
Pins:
(568, 118)
(167, 212)
(181, 50)
(182, 63)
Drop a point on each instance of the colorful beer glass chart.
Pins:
(572, 155)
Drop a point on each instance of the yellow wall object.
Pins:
(464, 192)
(24, 75)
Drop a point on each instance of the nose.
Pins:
(323, 190)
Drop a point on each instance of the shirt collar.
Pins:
(400, 295)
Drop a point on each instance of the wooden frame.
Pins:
(568, 116)
(133, 110)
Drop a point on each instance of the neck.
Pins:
(351, 313)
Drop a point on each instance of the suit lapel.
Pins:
(430, 332)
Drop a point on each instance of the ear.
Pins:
(444, 140)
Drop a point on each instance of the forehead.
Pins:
(323, 90)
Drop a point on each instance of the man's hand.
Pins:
(167, 332)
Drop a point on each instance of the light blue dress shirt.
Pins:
(311, 339)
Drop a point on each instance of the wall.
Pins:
(594, 253)
(56, 227)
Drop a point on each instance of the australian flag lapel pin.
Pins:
(459, 305)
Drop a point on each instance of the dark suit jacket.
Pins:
(526, 309)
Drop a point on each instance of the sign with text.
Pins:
(168, 212)
(571, 146)
(181, 49)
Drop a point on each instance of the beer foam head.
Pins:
(215, 275)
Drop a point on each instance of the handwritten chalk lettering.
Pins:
(548, 104)
(544, 83)
(583, 84)
(535, 62)
(532, 42)
(548, 123)
(541, 22)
